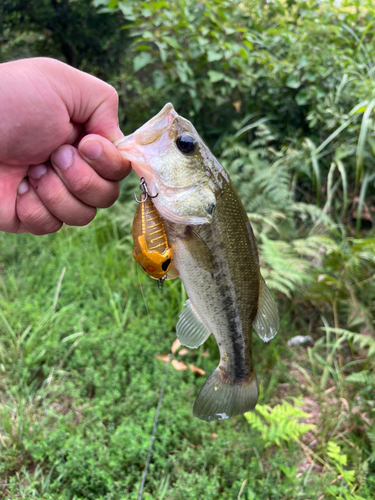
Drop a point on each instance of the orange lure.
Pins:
(151, 249)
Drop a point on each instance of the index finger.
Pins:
(104, 157)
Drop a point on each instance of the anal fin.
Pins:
(191, 332)
(266, 322)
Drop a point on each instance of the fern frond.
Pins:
(279, 423)
(364, 341)
(307, 211)
(284, 269)
(364, 377)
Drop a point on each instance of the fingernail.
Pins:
(23, 187)
(62, 158)
(36, 171)
(91, 149)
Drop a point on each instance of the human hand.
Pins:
(45, 180)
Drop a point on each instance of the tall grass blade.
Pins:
(249, 127)
(362, 46)
(341, 169)
(246, 119)
(362, 142)
(334, 134)
(362, 195)
(58, 287)
(9, 329)
(315, 165)
(330, 187)
(344, 81)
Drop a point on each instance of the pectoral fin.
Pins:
(200, 252)
(266, 322)
(191, 332)
(172, 273)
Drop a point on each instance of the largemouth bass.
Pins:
(215, 255)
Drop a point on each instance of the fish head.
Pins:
(176, 164)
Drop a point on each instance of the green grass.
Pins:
(80, 383)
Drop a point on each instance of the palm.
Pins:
(45, 105)
(31, 142)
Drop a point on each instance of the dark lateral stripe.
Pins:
(240, 365)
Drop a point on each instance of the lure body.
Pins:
(151, 249)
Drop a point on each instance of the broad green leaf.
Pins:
(242, 52)
(213, 56)
(181, 72)
(171, 41)
(160, 79)
(310, 76)
(302, 61)
(202, 41)
(146, 12)
(142, 47)
(302, 97)
(158, 5)
(98, 3)
(141, 61)
(293, 82)
(127, 10)
(162, 50)
(215, 76)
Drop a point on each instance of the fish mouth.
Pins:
(150, 131)
(154, 128)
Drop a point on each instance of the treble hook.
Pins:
(161, 283)
(143, 188)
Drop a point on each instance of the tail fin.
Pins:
(219, 399)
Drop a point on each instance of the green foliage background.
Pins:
(283, 93)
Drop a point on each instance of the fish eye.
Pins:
(186, 144)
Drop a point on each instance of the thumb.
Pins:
(89, 100)
(102, 110)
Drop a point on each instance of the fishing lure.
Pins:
(151, 249)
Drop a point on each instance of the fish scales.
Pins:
(235, 284)
(215, 255)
